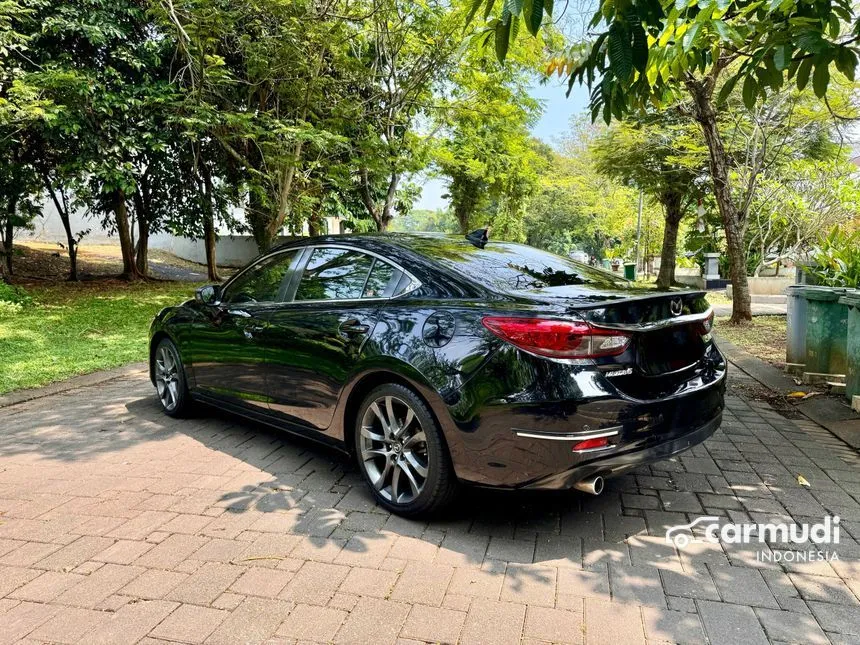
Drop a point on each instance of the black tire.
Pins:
(440, 485)
(170, 383)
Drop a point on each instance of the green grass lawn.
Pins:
(73, 329)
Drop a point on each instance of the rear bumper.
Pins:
(619, 463)
(531, 444)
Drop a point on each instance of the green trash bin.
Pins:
(630, 271)
(852, 383)
(826, 330)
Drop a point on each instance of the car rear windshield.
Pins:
(505, 266)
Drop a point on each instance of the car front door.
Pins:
(230, 342)
(319, 336)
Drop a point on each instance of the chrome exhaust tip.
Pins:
(592, 485)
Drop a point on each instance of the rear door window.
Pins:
(334, 274)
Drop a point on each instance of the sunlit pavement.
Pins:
(119, 524)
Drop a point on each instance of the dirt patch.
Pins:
(764, 337)
(752, 390)
(39, 262)
(45, 262)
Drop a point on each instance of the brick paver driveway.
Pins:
(118, 524)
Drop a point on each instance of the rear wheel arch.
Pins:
(365, 385)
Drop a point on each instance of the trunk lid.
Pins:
(670, 335)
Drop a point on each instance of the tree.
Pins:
(409, 49)
(660, 156)
(653, 53)
(101, 66)
(269, 81)
(20, 106)
(577, 208)
(484, 148)
(791, 210)
(19, 202)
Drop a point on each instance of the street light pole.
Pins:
(639, 226)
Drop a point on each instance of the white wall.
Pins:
(48, 227)
(231, 250)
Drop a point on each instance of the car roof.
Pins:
(413, 241)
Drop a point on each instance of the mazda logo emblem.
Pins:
(676, 306)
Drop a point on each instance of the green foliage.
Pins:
(425, 221)
(14, 295)
(795, 203)
(836, 261)
(647, 50)
(578, 208)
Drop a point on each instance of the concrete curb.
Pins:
(74, 383)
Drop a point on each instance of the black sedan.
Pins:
(436, 360)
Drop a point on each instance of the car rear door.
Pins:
(319, 334)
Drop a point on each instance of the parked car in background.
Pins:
(436, 360)
(580, 256)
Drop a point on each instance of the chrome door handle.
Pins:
(238, 312)
(353, 327)
(251, 330)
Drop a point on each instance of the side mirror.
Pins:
(208, 295)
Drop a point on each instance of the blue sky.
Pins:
(553, 124)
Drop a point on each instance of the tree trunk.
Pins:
(209, 237)
(381, 217)
(8, 235)
(388, 208)
(63, 211)
(702, 92)
(258, 216)
(141, 255)
(141, 258)
(463, 216)
(315, 225)
(668, 255)
(120, 208)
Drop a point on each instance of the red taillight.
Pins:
(591, 444)
(558, 338)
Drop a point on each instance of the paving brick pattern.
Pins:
(121, 525)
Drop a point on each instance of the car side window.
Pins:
(379, 279)
(334, 274)
(260, 283)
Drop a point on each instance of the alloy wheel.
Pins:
(394, 449)
(167, 376)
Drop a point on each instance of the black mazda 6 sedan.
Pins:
(436, 360)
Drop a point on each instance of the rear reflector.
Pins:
(558, 338)
(591, 444)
